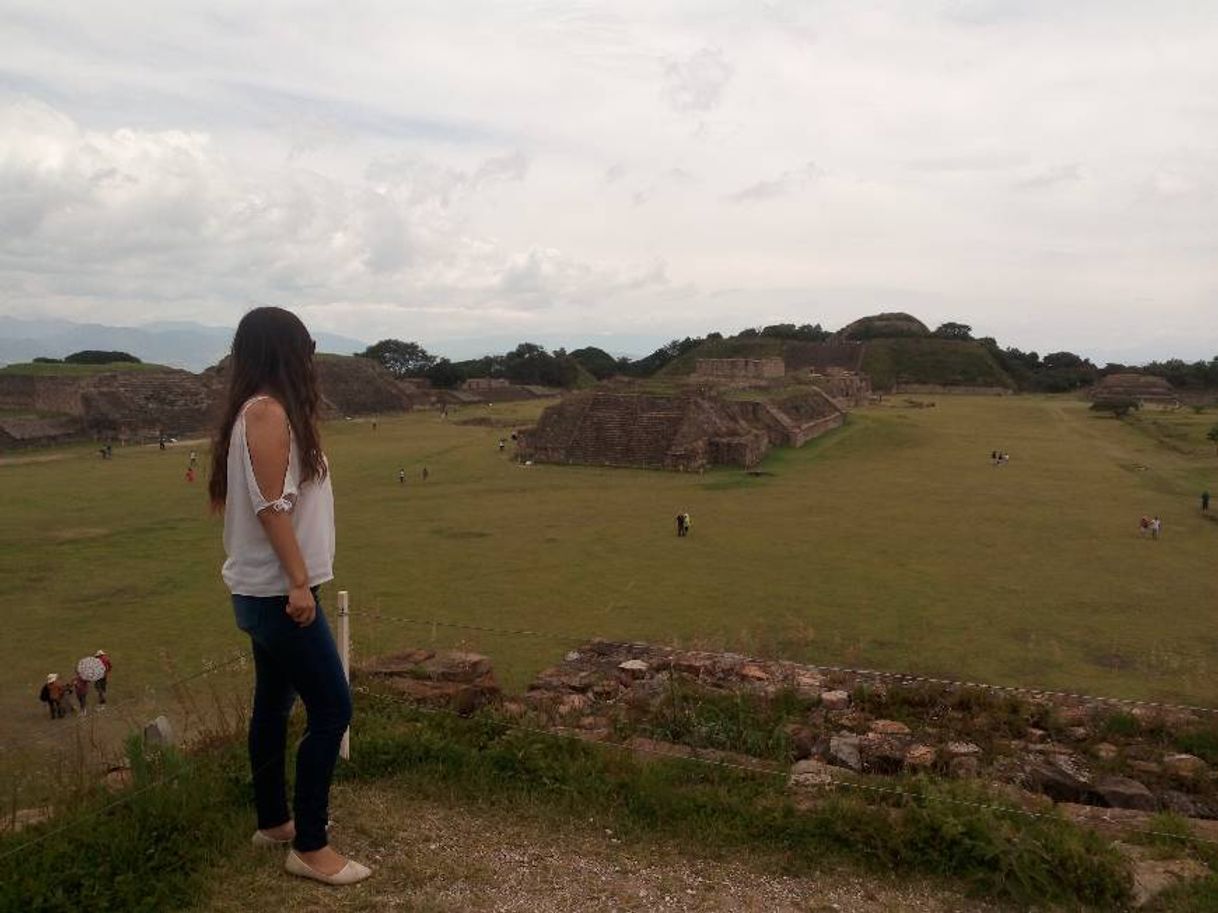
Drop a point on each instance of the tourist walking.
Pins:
(52, 695)
(425, 473)
(686, 523)
(1205, 500)
(1156, 527)
(1144, 526)
(194, 459)
(80, 687)
(402, 476)
(190, 474)
(680, 525)
(271, 479)
(103, 683)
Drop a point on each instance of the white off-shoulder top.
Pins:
(251, 567)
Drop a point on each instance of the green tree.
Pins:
(1212, 435)
(98, 357)
(597, 362)
(402, 359)
(445, 374)
(952, 330)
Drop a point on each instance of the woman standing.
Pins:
(271, 479)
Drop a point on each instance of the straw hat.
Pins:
(52, 677)
(100, 653)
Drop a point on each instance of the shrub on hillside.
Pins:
(1117, 406)
(99, 357)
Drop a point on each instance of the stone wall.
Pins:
(854, 725)
(741, 368)
(37, 393)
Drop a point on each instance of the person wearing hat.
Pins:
(52, 695)
(104, 682)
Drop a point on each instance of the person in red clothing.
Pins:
(104, 682)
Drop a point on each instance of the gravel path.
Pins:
(438, 858)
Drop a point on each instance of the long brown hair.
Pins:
(272, 353)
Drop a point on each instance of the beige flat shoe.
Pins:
(261, 839)
(348, 874)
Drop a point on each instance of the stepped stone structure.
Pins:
(45, 409)
(682, 432)
(847, 387)
(1148, 390)
(741, 368)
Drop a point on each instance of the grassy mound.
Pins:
(930, 360)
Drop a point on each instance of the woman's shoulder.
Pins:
(263, 409)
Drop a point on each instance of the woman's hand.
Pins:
(302, 607)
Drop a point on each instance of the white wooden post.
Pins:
(344, 651)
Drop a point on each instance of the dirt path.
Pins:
(438, 858)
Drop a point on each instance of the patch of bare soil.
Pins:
(431, 857)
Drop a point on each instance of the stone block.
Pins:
(919, 757)
(844, 752)
(809, 773)
(962, 750)
(159, 732)
(633, 670)
(1122, 792)
(835, 700)
(889, 727)
(753, 672)
(1184, 766)
(456, 666)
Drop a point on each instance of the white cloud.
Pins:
(1043, 171)
(696, 84)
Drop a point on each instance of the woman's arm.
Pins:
(269, 441)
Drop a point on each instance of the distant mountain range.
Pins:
(180, 344)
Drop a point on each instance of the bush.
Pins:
(100, 357)
(145, 850)
(1118, 407)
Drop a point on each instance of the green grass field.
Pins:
(892, 543)
(59, 369)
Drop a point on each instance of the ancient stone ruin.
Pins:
(742, 369)
(1147, 390)
(687, 431)
(1102, 763)
(129, 405)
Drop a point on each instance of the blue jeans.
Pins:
(291, 660)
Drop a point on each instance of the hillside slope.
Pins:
(929, 360)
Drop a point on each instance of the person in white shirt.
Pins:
(272, 481)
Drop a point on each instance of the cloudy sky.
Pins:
(619, 172)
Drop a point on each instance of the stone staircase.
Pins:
(148, 401)
(625, 430)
